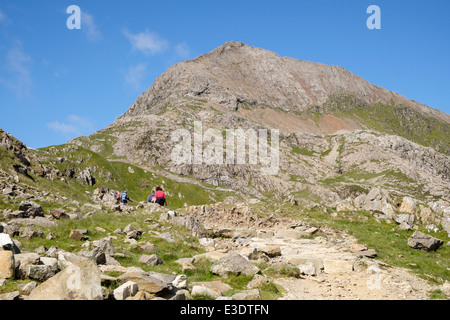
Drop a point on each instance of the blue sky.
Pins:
(57, 83)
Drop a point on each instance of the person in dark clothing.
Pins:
(125, 198)
(160, 197)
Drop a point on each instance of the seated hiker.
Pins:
(151, 196)
(118, 197)
(125, 198)
(160, 197)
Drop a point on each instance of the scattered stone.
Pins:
(406, 221)
(308, 269)
(150, 260)
(78, 235)
(28, 232)
(370, 253)
(10, 296)
(204, 291)
(234, 263)
(31, 209)
(271, 251)
(105, 245)
(146, 282)
(422, 241)
(408, 205)
(167, 236)
(258, 281)
(181, 282)
(22, 261)
(59, 214)
(6, 264)
(252, 294)
(40, 273)
(26, 288)
(147, 247)
(96, 254)
(78, 281)
(126, 290)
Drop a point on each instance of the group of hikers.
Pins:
(157, 196)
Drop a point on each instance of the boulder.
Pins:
(408, 205)
(22, 261)
(204, 291)
(150, 260)
(406, 221)
(252, 294)
(146, 282)
(235, 264)
(59, 214)
(308, 269)
(126, 290)
(217, 286)
(422, 241)
(78, 281)
(31, 209)
(271, 251)
(105, 245)
(6, 264)
(86, 177)
(147, 247)
(40, 273)
(97, 255)
(10, 296)
(78, 235)
(181, 282)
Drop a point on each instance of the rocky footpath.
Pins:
(321, 262)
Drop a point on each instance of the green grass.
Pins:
(302, 151)
(394, 119)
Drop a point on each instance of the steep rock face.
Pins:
(236, 75)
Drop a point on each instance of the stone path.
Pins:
(333, 271)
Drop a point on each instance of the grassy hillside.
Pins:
(392, 119)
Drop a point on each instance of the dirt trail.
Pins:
(341, 272)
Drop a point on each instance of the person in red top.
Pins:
(160, 197)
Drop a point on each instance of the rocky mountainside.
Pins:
(339, 136)
(360, 171)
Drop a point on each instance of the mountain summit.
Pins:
(236, 75)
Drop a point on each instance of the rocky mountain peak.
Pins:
(236, 75)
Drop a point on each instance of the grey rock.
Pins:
(422, 241)
(10, 296)
(235, 264)
(78, 281)
(150, 260)
(146, 282)
(96, 254)
(40, 273)
(31, 209)
(22, 261)
(126, 290)
(105, 245)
